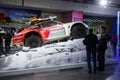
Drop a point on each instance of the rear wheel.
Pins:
(78, 31)
(33, 41)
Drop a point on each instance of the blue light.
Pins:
(118, 32)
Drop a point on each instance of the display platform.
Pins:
(49, 69)
(49, 58)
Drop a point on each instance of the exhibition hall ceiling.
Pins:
(111, 3)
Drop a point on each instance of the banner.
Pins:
(16, 16)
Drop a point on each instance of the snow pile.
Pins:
(70, 52)
(18, 60)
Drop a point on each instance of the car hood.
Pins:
(23, 31)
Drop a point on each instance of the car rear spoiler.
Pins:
(50, 17)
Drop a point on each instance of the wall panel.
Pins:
(11, 2)
(37, 3)
(52, 5)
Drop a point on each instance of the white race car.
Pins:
(47, 30)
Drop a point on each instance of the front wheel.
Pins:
(33, 41)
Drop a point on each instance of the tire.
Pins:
(33, 41)
(78, 31)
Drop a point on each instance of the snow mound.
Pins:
(72, 51)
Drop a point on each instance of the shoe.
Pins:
(99, 69)
(94, 72)
(102, 70)
(89, 72)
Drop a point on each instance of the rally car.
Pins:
(47, 30)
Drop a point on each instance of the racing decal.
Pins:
(54, 28)
(57, 33)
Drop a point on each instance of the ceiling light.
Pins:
(109, 2)
(103, 2)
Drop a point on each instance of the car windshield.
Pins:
(27, 24)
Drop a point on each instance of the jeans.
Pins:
(7, 46)
(101, 59)
(1, 47)
(93, 53)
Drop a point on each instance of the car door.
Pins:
(56, 29)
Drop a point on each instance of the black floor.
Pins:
(112, 72)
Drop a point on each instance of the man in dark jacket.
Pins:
(91, 41)
(7, 40)
(102, 46)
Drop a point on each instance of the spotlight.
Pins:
(103, 2)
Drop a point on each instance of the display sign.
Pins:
(16, 16)
(73, 16)
(96, 21)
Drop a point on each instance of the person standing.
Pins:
(102, 46)
(7, 40)
(1, 43)
(91, 41)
